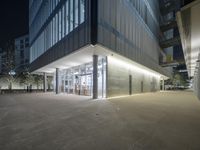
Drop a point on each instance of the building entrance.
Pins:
(83, 85)
(79, 80)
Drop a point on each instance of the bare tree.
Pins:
(9, 65)
(38, 79)
(26, 78)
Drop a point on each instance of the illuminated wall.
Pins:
(196, 80)
(118, 78)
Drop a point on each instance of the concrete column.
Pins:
(106, 77)
(95, 76)
(57, 81)
(45, 82)
(102, 72)
(163, 84)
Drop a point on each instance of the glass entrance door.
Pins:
(79, 79)
(83, 85)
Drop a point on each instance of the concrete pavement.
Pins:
(152, 121)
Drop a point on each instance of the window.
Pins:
(26, 61)
(67, 17)
(82, 11)
(76, 14)
(60, 26)
(27, 45)
(63, 21)
(21, 62)
(56, 28)
(21, 46)
(21, 41)
(71, 15)
(22, 54)
(27, 40)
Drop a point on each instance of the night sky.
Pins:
(14, 19)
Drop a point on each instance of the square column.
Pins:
(57, 80)
(163, 84)
(95, 76)
(44, 82)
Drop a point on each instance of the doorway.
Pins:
(130, 84)
(142, 86)
(83, 84)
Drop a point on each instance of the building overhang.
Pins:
(189, 28)
(85, 55)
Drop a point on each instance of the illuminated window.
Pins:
(63, 21)
(76, 14)
(82, 11)
(67, 17)
(71, 15)
(60, 26)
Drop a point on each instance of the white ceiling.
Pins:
(85, 55)
(79, 57)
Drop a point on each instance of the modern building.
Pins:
(169, 39)
(3, 66)
(22, 53)
(189, 28)
(99, 48)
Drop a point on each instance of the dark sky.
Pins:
(13, 19)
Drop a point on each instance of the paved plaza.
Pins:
(152, 121)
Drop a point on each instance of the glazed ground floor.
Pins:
(100, 73)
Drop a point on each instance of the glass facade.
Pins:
(63, 20)
(79, 79)
(127, 27)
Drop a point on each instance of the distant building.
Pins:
(3, 67)
(21, 53)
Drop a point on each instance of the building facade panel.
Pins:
(127, 79)
(126, 30)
